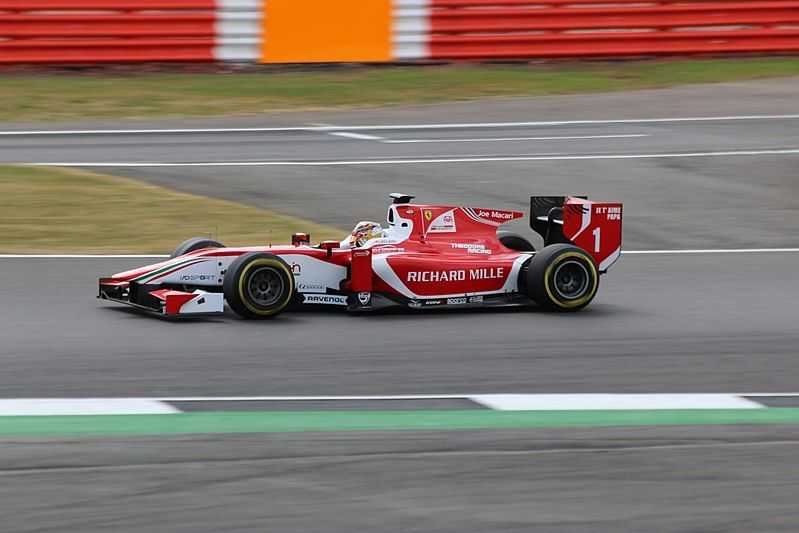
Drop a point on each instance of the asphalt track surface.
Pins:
(685, 183)
(661, 323)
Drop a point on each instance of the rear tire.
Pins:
(562, 277)
(258, 285)
(194, 244)
(514, 241)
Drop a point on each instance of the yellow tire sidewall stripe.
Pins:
(265, 262)
(573, 303)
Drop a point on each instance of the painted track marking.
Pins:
(326, 128)
(356, 136)
(496, 402)
(610, 402)
(712, 251)
(84, 406)
(427, 161)
(506, 139)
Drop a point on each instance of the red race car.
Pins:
(427, 256)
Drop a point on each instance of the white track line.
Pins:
(500, 402)
(471, 125)
(770, 394)
(84, 406)
(711, 251)
(310, 398)
(625, 252)
(611, 402)
(545, 123)
(166, 131)
(635, 396)
(357, 136)
(506, 139)
(493, 159)
(367, 397)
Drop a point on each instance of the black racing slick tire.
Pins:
(514, 241)
(258, 285)
(192, 245)
(562, 277)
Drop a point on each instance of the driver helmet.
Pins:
(365, 231)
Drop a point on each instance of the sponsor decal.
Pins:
(444, 223)
(296, 269)
(612, 213)
(387, 250)
(475, 299)
(429, 276)
(415, 304)
(364, 298)
(456, 301)
(496, 215)
(311, 287)
(197, 277)
(432, 302)
(428, 215)
(471, 248)
(325, 299)
(439, 276)
(487, 273)
(360, 253)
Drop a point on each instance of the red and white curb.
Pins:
(497, 402)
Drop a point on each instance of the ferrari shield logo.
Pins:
(428, 215)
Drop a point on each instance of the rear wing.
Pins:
(593, 226)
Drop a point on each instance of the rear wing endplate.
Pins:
(593, 226)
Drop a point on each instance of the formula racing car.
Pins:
(427, 256)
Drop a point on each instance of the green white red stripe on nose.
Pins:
(168, 269)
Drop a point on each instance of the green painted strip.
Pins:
(281, 422)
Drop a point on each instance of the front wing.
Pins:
(158, 301)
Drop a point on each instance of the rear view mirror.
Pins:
(329, 246)
(299, 239)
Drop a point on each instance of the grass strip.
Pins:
(52, 97)
(327, 421)
(48, 210)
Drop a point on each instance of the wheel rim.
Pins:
(265, 287)
(571, 280)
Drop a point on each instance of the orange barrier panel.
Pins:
(495, 29)
(319, 31)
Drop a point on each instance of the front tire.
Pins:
(258, 285)
(562, 277)
(192, 245)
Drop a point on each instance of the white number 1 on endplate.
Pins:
(597, 232)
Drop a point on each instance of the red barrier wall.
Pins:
(495, 29)
(94, 31)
